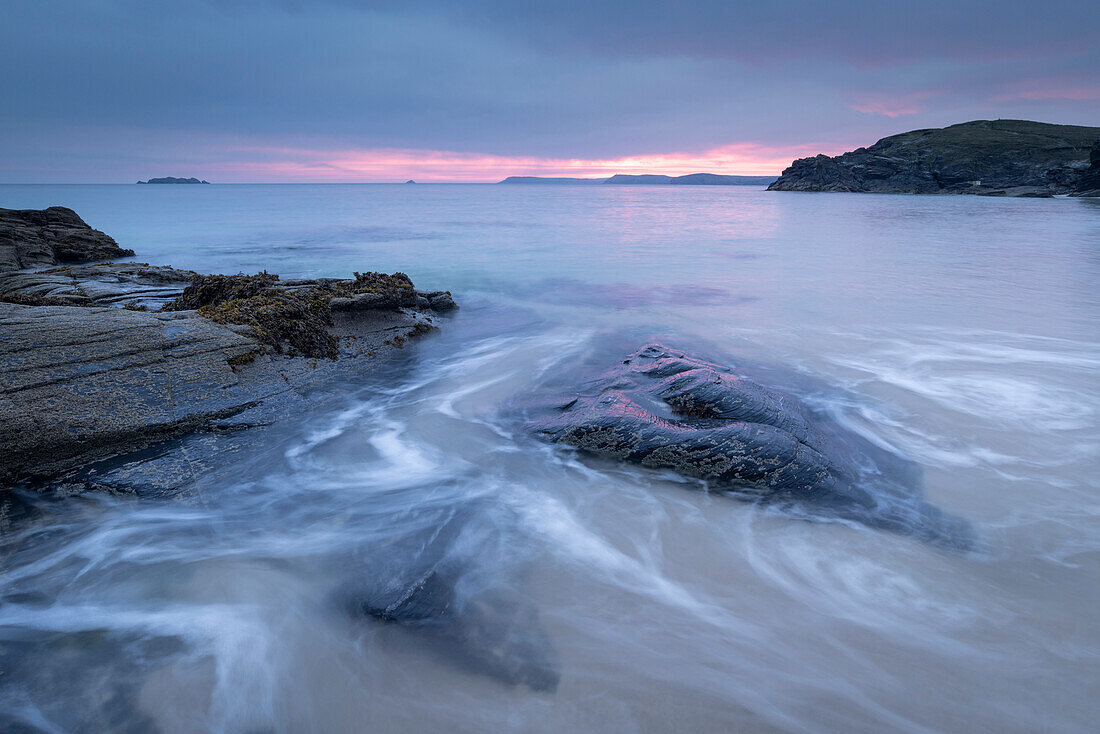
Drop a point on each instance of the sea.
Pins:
(958, 332)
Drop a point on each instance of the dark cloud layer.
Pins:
(101, 90)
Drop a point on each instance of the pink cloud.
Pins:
(274, 164)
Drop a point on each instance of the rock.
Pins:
(410, 181)
(90, 369)
(133, 285)
(664, 410)
(452, 579)
(1089, 183)
(78, 384)
(173, 180)
(440, 301)
(93, 381)
(35, 238)
(993, 158)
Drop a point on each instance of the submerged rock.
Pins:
(453, 581)
(665, 410)
(984, 157)
(38, 238)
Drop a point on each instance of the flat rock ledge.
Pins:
(91, 370)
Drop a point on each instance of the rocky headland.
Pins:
(100, 360)
(984, 157)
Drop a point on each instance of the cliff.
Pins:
(984, 157)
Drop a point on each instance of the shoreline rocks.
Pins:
(35, 238)
(985, 157)
(100, 360)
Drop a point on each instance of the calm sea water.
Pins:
(958, 331)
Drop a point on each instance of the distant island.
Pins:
(173, 180)
(691, 179)
(983, 157)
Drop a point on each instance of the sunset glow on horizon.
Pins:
(477, 91)
(277, 164)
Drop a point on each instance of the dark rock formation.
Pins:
(173, 180)
(36, 238)
(992, 158)
(452, 579)
(89, 369)
(1089, 183)
(664, 410)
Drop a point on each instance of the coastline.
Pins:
(98, 362)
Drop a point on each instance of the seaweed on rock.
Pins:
(292, 316)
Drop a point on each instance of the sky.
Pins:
(475, 90)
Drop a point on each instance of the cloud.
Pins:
(310, 164)
(106, 90)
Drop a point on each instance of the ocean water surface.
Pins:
(959, 332)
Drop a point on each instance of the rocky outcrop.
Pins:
(989, 158)
(100, 360)
(36, 238)
(665, 410)
(1089, 183)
